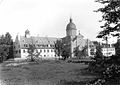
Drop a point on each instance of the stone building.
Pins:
(45, 45)
(72, 40)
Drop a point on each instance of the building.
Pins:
(72, 40)
(45, 45)
(108, 50)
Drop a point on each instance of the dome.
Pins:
(71, 25)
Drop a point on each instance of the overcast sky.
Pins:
(49, 17)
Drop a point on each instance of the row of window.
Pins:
(108, 49)
(48, 55)
(44, 50)
(17, 51)
(38, 45)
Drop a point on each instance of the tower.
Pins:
(71, 33)
(27, 33)
(71, 29)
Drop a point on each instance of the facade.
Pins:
(45, 45)
(108, 50)
(72, 40)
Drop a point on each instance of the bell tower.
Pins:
(27, 33)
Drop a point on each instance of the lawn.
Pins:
(47, 72)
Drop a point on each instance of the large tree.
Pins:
(111, 17)
(6, 46)
(9, 41)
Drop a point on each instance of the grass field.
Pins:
(47, 72)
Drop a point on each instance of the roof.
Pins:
(37, 40)
(71, 25)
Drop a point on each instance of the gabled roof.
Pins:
(37, 40)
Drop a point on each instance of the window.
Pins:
(19, 51)
(40, 50)
(16, 51)
(44, 55)
(26, 45)
(51, 50)
(23, 51)
(44, 50)
(47, 50)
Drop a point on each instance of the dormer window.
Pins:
(26, 45)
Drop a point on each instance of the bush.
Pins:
(107, 68)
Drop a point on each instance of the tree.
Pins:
(61, 49)
(9, 41)
(80, 53)
(111, 17)
(33, 54)
(6, 46)
(65, 52)
(4, 52)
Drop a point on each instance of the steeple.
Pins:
(70, 20)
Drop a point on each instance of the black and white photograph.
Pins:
(59, 42)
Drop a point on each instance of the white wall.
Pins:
(108, 51)
(44, 54)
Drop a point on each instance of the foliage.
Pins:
(9, 41)
(109, 68)
(33, 54)
(111, 17)
(97, 64)
(4, 52)
(65, 53)
(61, 49)
(109, 71)
(117, 48)
(6, 47)
(80, 53)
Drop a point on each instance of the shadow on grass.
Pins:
(65, 82)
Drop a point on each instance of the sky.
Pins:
(49, 17)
